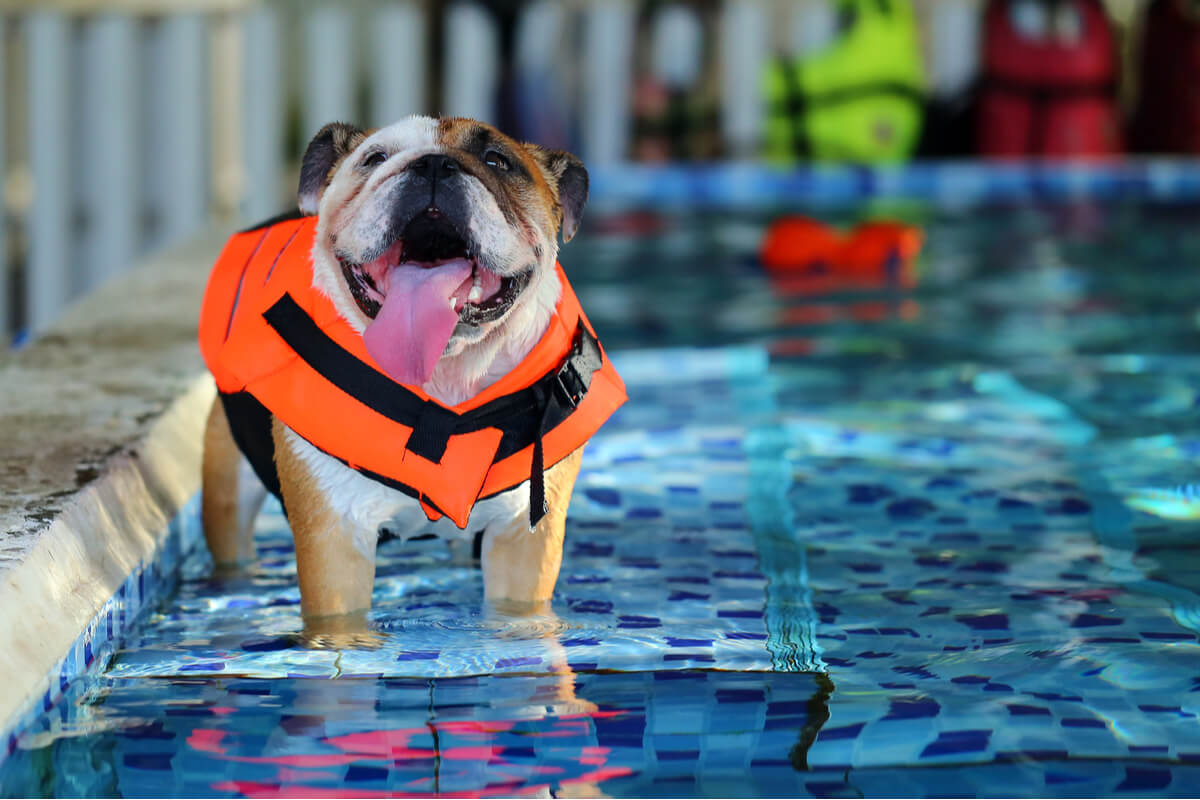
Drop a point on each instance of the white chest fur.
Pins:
(367, 505)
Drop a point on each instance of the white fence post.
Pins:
(608, 68)
(108, 105)
(331, 56)
(952, 47)
(470, 62)
(176, 147)
(744, 47)
(47, 272)
(813, 26)
(676, 46)
(262, 112)
(398, 61)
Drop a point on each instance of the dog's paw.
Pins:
(345, 632)
(235, 572)
(368, 640)
(578, 789)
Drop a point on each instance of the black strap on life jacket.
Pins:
(524, 416)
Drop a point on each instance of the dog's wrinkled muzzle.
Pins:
(427, 281)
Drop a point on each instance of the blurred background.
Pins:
(128, 125)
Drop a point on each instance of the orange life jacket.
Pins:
(276, 345)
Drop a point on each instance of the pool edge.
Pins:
(99, 562)
(102, 418)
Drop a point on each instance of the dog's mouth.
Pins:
(429, 242)
(425, 284)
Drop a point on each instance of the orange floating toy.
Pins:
(873, 253)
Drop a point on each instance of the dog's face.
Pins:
(434, 235)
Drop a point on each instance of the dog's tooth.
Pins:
(452, 302)
(476, 292)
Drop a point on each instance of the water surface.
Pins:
(866, 541)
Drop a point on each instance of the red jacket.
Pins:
(1046, 96)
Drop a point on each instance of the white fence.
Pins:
(128, 124)
(123, 130)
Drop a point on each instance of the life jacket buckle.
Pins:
(574, 377)
(569, 386)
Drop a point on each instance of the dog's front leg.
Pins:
(520, 566)
(335, 562)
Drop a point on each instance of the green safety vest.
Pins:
(858, 100)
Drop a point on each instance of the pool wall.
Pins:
(948, 184)
(102, 421)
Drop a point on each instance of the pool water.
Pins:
(842, 541)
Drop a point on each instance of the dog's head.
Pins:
(438, 235)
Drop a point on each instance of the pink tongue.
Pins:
(411, 330)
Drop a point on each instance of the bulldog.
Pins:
(405, 352)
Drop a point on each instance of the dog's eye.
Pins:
(495, 160)
(374, 159)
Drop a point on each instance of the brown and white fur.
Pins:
(517, 198)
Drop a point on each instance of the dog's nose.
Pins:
(434, 166)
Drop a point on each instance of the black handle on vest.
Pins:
(566, 390)
(537, 469)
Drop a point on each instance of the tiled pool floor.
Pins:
(886, 553)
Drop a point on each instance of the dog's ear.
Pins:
(567, 174)
(327, 149)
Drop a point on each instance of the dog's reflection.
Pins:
(533, 622)
(471, 722)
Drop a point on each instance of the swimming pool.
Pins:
(842, 541)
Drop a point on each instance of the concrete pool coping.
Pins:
(102, 419)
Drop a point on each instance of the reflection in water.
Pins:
(818, 714)
(1179, 503)
(649, 734)
(495, 736)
